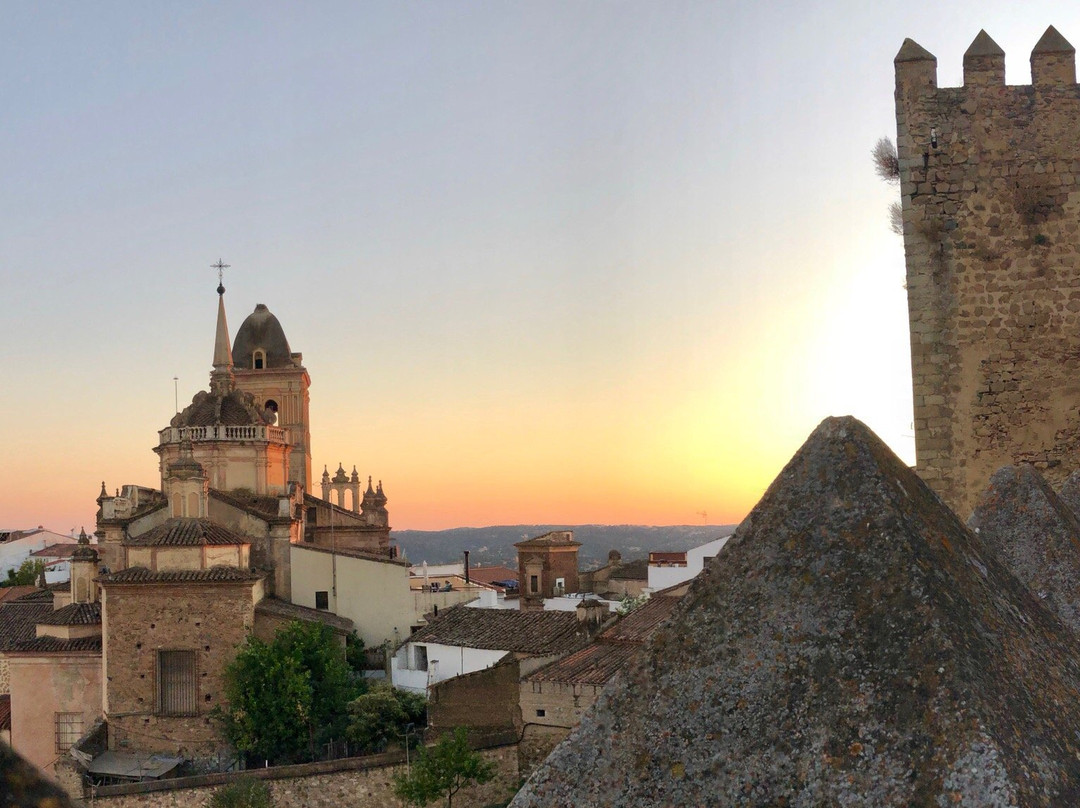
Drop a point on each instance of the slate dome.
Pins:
(261, 331)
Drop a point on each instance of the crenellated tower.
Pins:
(990, 186)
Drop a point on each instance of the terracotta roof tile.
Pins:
(179, 532)
(57, 645)
(74, 614)
(536, 633)
(36, 596)
(56, 551)
(291, 611)
(265, 507)
(492, 575)
(18, 621)
(8, 593)
(141, 575)
(640, 623)
(593, 665)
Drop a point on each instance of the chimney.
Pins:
(592, 612)
(466, 568)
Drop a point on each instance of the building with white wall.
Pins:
(463, 640)
(669, 569)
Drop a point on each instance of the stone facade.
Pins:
(990, 186)
(557, 704)
(365, 782)
(139, 621)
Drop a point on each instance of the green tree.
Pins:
(380, 717)
(246, 792)
(27, 574)
(287, 698)
(355, 653)
(441, 770)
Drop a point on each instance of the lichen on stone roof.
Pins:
(853, 645)
(23, 786)
(1036, 534)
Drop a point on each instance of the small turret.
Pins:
(84, 568)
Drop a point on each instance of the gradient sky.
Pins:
(557, 262)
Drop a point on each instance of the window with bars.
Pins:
(69, 728)
(178, 687)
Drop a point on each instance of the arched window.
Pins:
(271, 406)
(258, 359)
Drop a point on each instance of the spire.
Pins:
(221, 378)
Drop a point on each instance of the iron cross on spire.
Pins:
(220, 266)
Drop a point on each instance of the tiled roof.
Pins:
(291, 611)
(56, 551)
(74, 614)
(37, 595)
(636, 570)
(8, 593)
(5, 712)
(265, 507)
(528, 632)
(593, 665)
(640, 623)
(491, 575)
(18, 622)
(53, 645)
(180, 532)
(141, 575)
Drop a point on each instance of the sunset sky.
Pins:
(547, 262)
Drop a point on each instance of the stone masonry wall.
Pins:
(140, 620)
(484, 701)
(359, 782)
(990, 186)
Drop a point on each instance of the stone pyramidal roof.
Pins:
(1035, 534)
(853, 644)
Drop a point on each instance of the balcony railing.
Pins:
(196, 434)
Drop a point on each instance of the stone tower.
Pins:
(265, 366)
(990, 186)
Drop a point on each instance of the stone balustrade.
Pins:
(198, 434)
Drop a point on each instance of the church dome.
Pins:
(261, 332)
(235, 408)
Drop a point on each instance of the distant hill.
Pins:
(495, 545)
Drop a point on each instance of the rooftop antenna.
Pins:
(176, 392)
